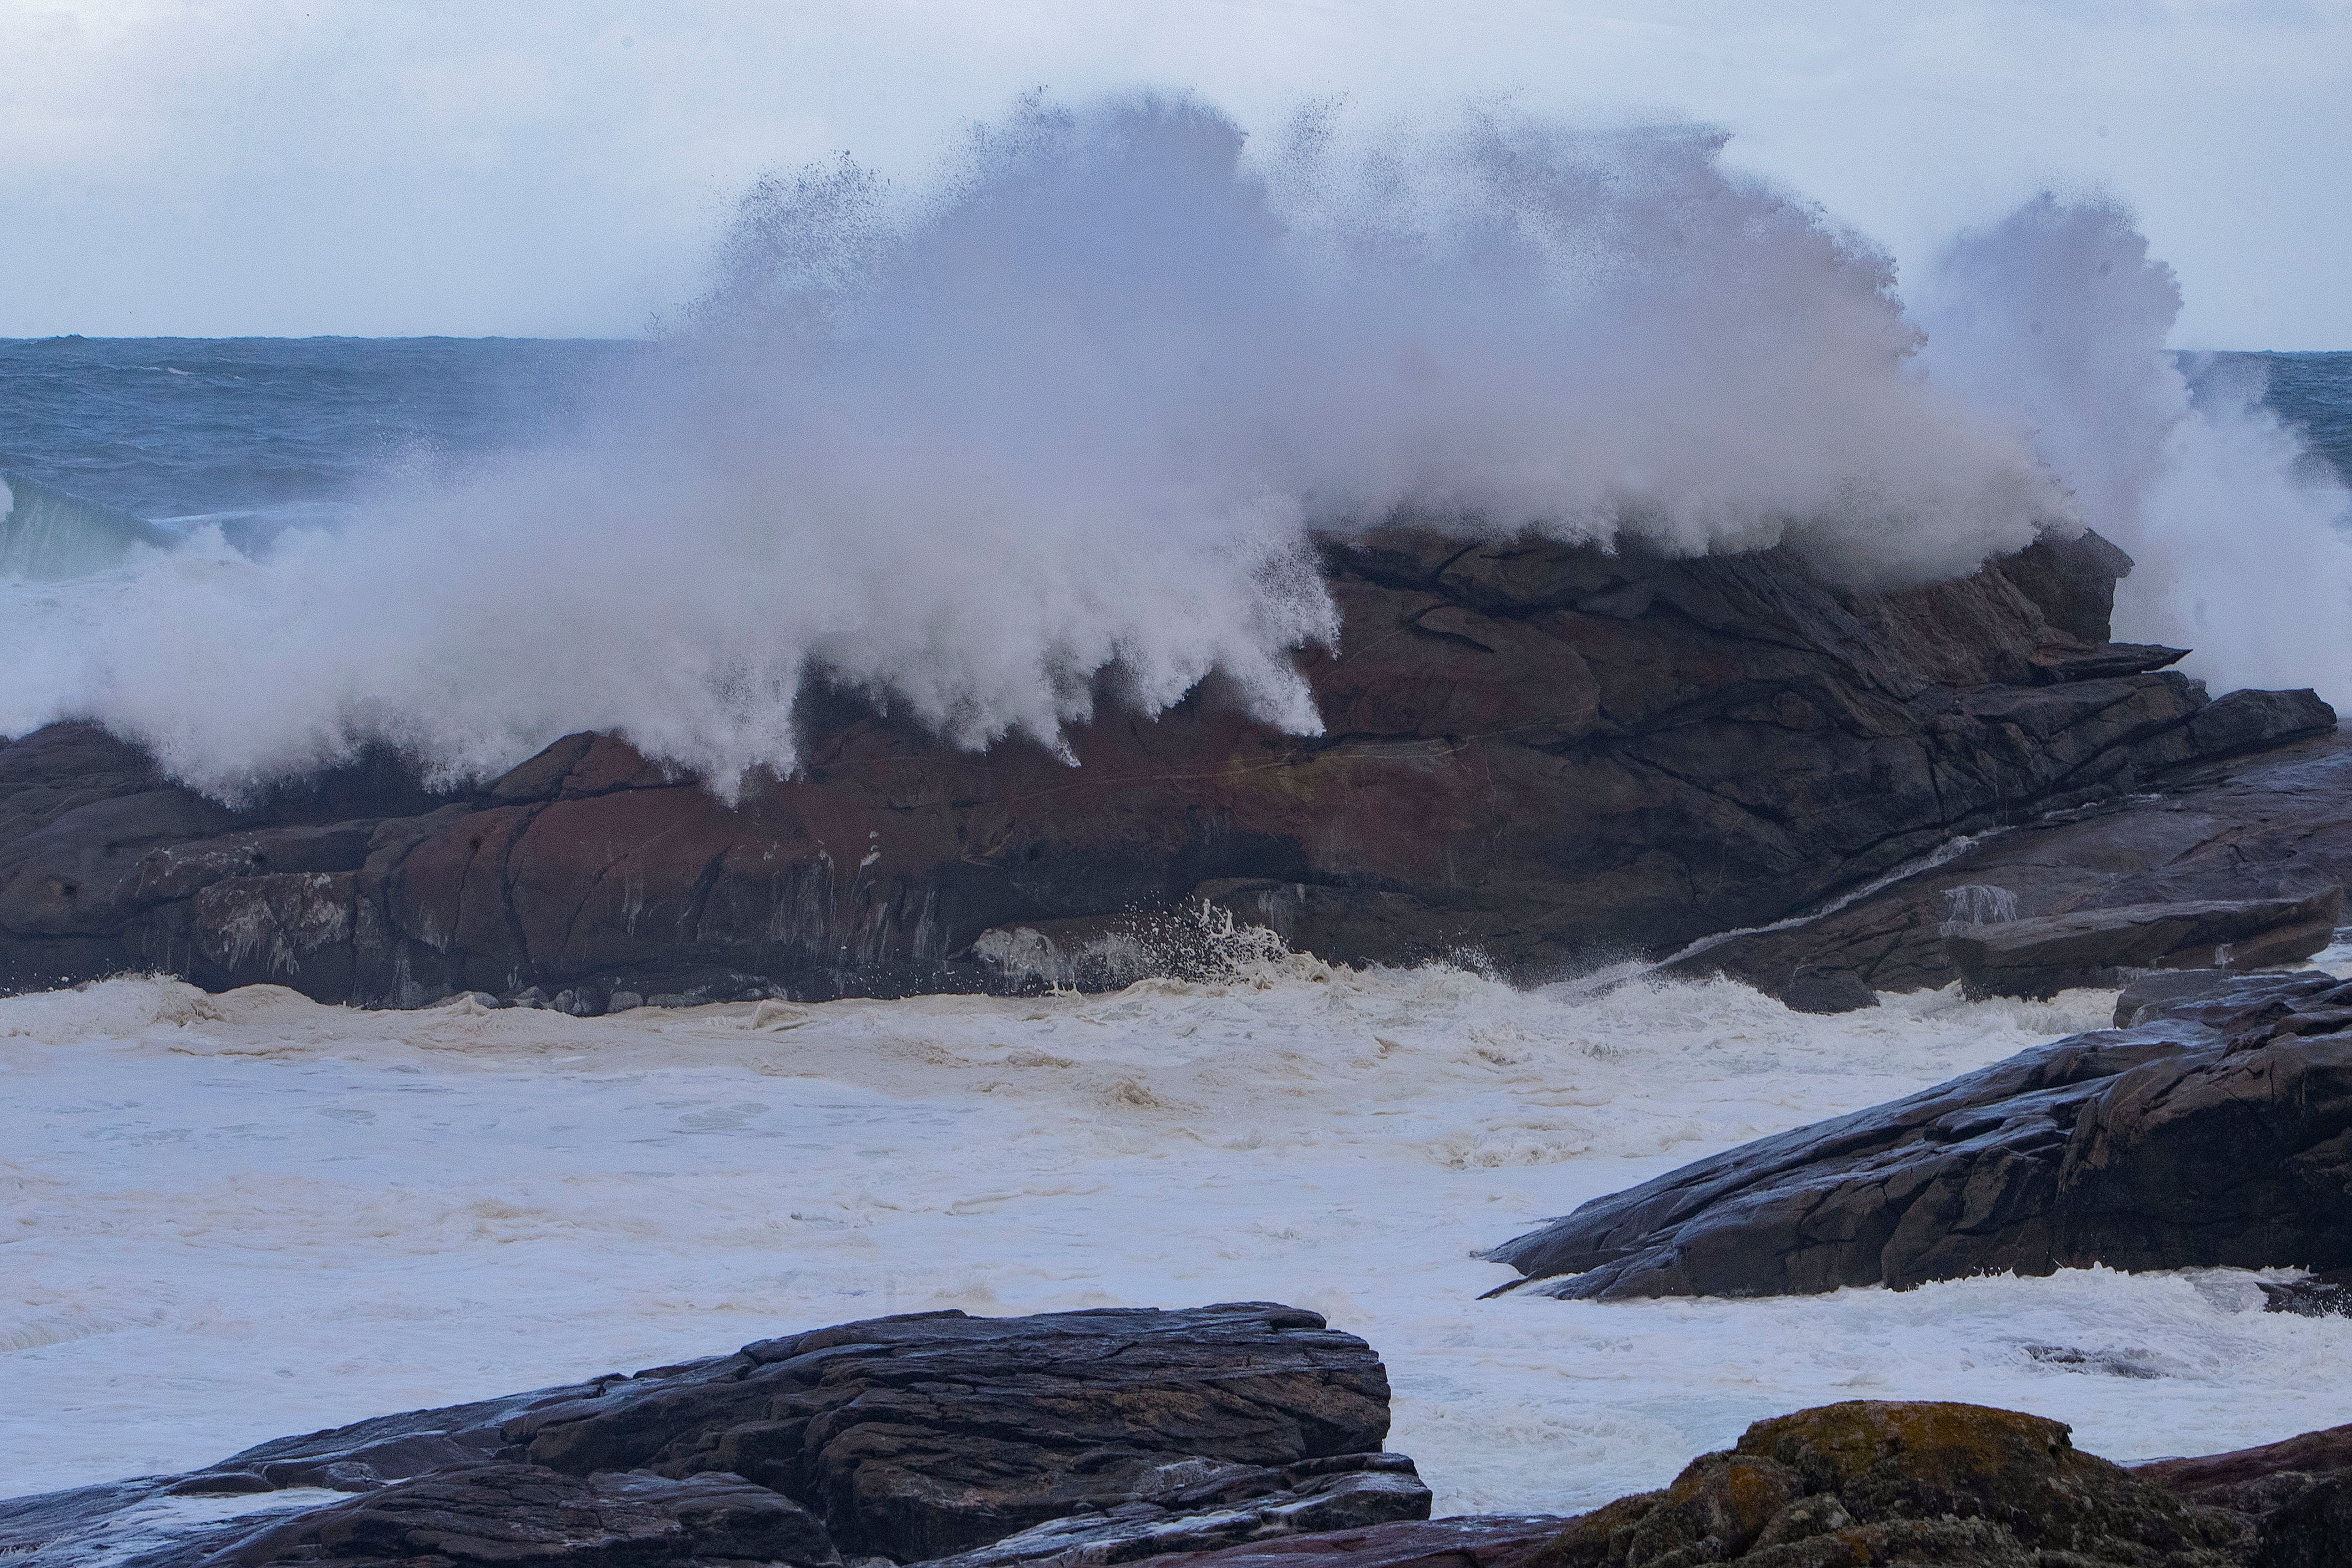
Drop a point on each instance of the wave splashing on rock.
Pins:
(1054, 430)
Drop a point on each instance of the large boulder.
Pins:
(1543, 753)
(2217, 1131)
(1873, 1481)
(1113, 1435)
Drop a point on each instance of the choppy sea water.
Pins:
(294, 429)
(225, 1220)
(278, 430)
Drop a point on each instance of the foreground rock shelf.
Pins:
(1113, 1435)
(1231, 1436)
(1541, 752)
(2217, 1130)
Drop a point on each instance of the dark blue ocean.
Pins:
(265, 431)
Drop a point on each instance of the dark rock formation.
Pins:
(2256, 1484)
(500, 1514)
(2276, 828)
(1925, 1484)
(1114, 1434)
(1541, 752)
(2095, 947)
(1871, 1482)
(2219, 1132)
(1469, 1541)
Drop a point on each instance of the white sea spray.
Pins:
(2057, 316)
(1052, 429)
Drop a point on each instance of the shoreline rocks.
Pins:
(1538, 754)
(2274, 829)
(2218, 1130)
(650, 1472)
(1111, 1434)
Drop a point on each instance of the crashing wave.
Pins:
(48, 536)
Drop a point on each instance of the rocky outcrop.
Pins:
(2270, 832)
(1539, 752)
(2287, 1495)
(500, 1514)
(2096, 946)
(1931, 1484)
(1466, 1540)
(2217, 1131)
(1100, 1437)
(1883, 1482)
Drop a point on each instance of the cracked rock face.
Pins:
(2219, 1131)
(1540, 751)
(1096, 1436)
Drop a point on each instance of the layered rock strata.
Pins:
(1100, 1437)
(1542, 753)
(2218, 1130)
(2268, 834)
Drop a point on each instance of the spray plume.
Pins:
(1055, 428)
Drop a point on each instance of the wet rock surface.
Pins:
(2268, 831)
(2097, 948)
(1876, 1482)
(1467, 1540)
(1121, 1432)
(2217, 1131)
(1542, 753)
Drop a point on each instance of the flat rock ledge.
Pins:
(1093, 1437)
(2216, 1130)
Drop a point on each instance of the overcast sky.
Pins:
(560, 167)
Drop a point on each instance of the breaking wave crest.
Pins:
(1054, 429)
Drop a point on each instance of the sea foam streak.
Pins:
(231, 1218)
(1054, 428)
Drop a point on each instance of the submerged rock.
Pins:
(1111, 1435)
(1535, 754)
(2217, 1132)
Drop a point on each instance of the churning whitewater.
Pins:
(248, 1215)
(1054, 428)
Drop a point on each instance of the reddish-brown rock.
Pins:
(1543, 753)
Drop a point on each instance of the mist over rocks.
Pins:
(1534, 752)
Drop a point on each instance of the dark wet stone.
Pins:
(2217, 1132)
(1928, 1484)
(1127, 1432)
(1534, 754)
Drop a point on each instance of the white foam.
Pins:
(234, 1218)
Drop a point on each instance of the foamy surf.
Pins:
(240, 1215)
